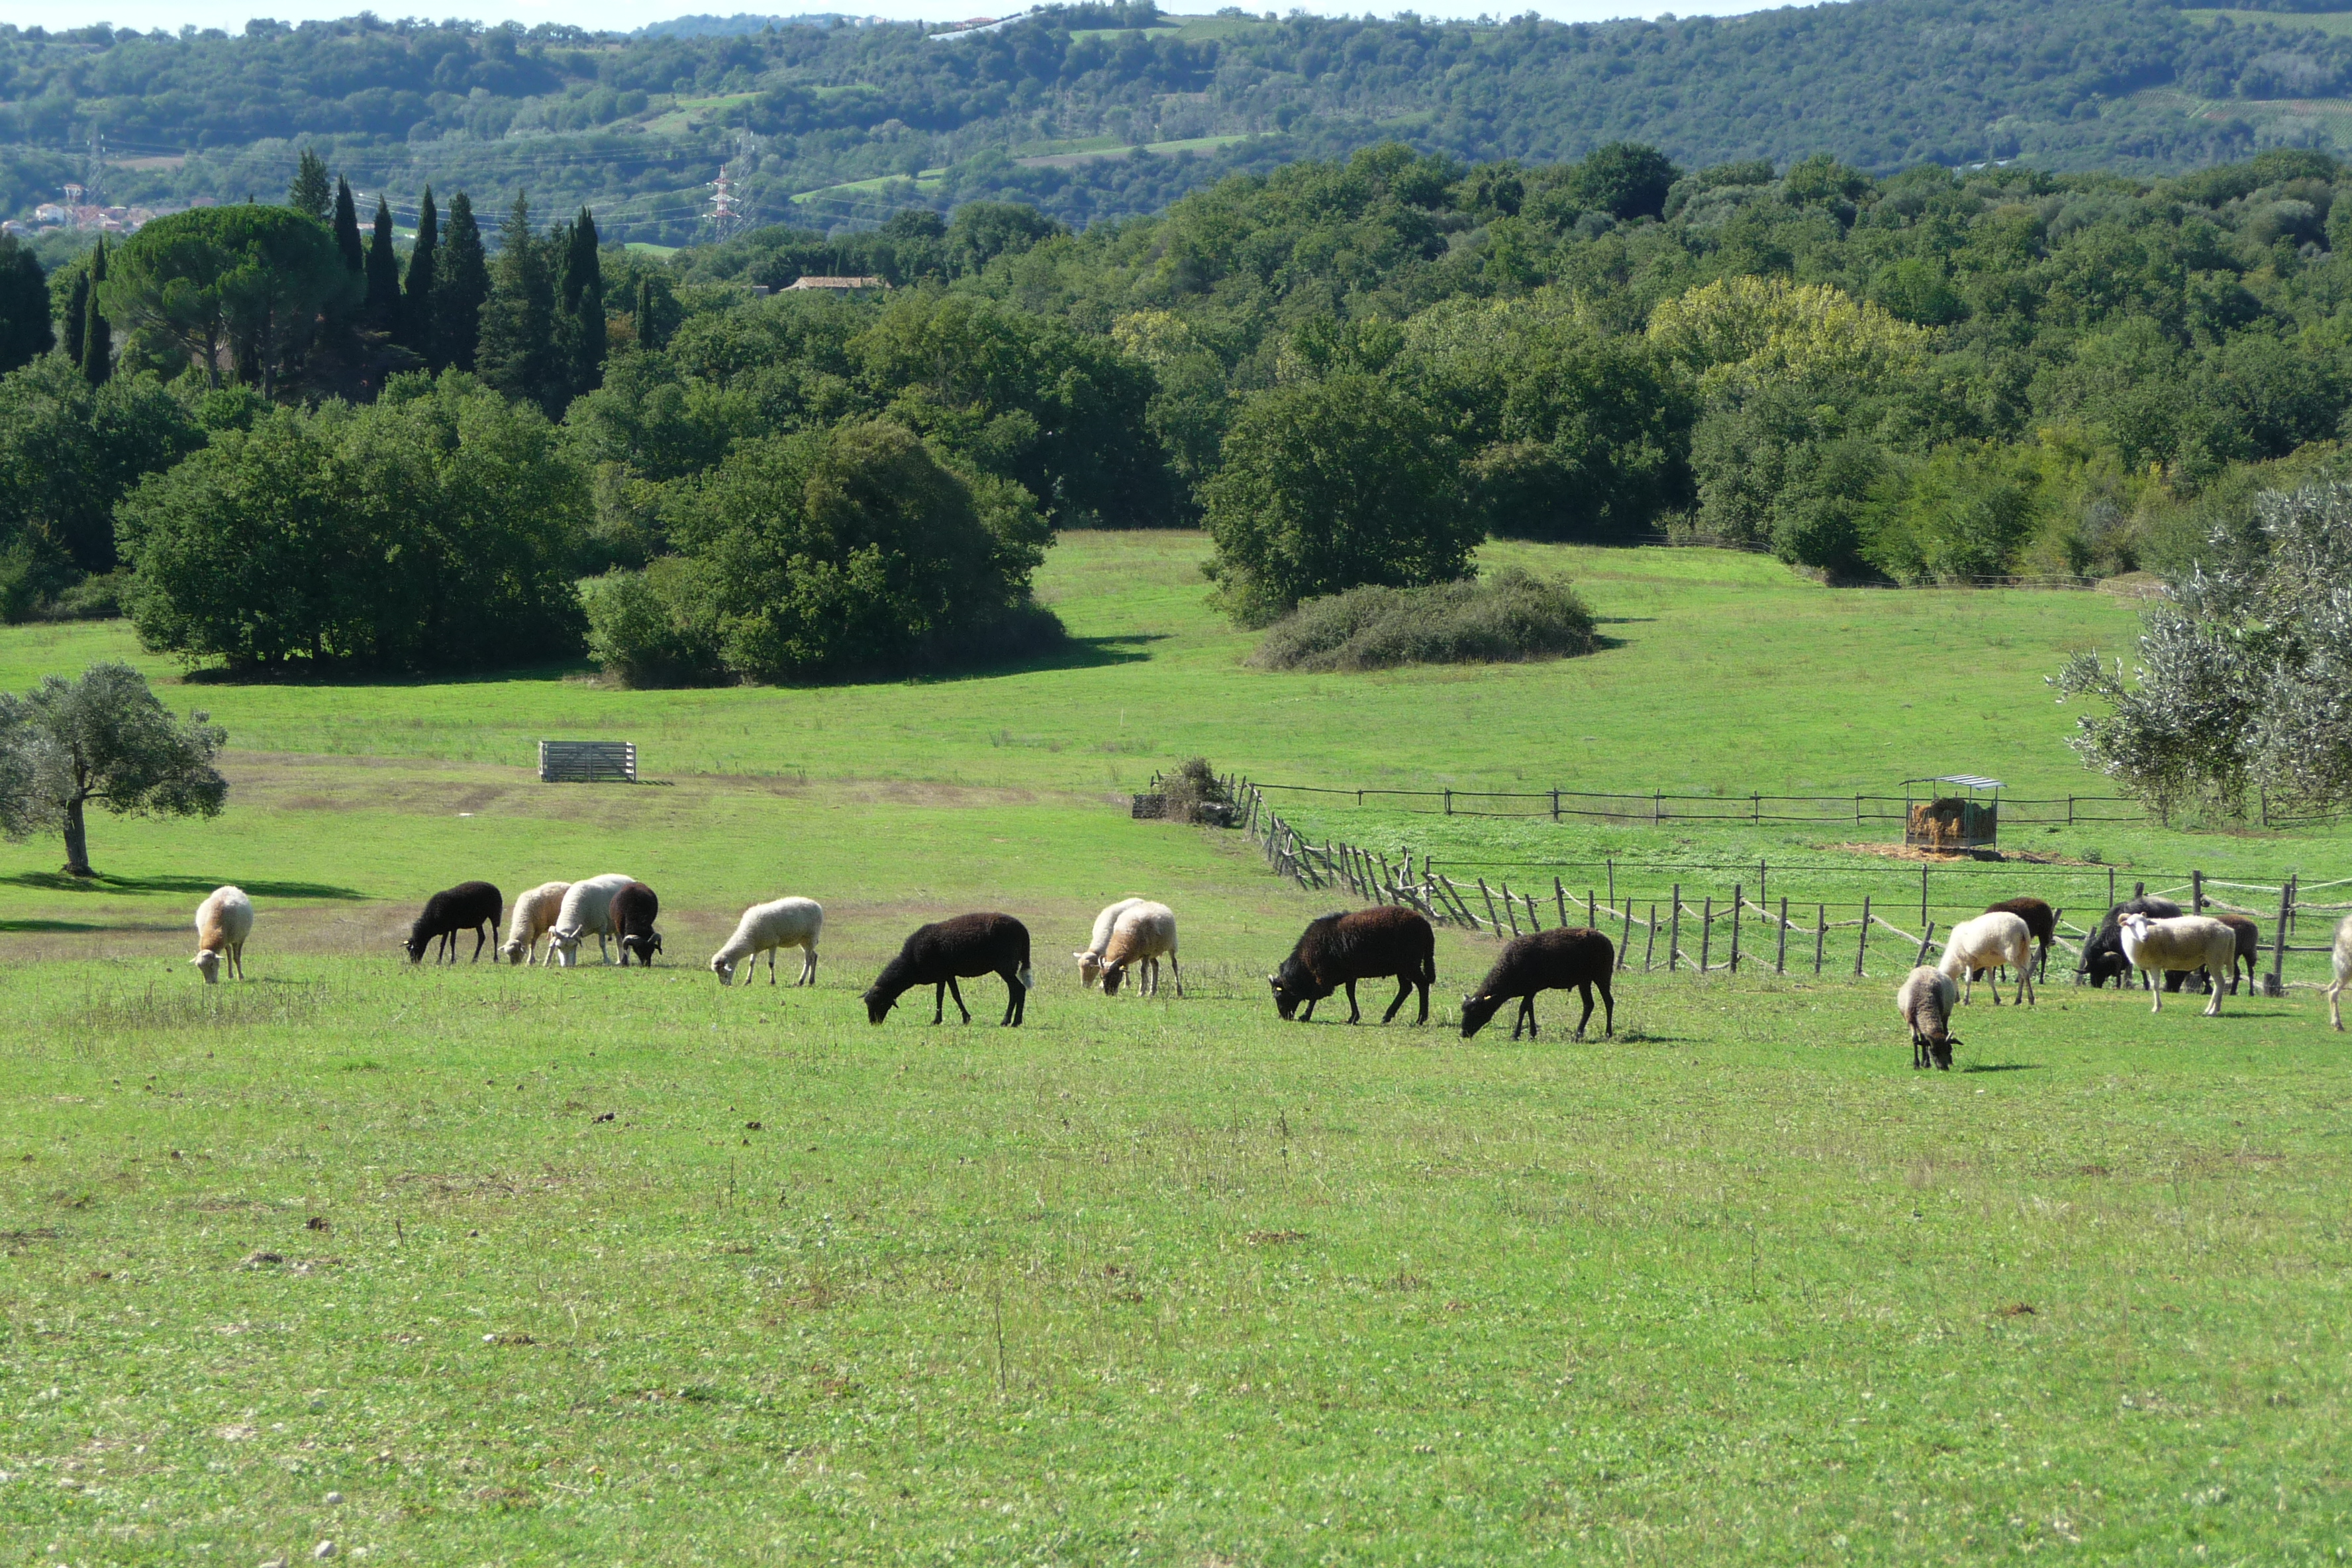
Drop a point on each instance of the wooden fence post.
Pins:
(1589, 912)
(1821, 935)
(1535, 922)
(1706, 929)
(1611, 864)
(1555, 804)
(1650, 936)
(2111, 886)
(1657, 803)
(1862, 937)
(1508, 910)
(1625, 945)
(1926, 938)
(1449, 803)
(1559, 896)
(1780, 959)
(2277, 986)
(2196, 893)
(1737, 907)
(1674, 931)
(1489, 896)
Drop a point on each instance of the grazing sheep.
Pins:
(2191, 941)
(1144, 934)
(534, 917)
(1368, 944)
(2040, 918)
(2250, 949)
(1986, 942)
(765, 928)
(1569, 958)
(587, 907)
(2103, 951)
(1924, 1000)
(223, 922)
(468, 906)
(634, 911)
(2341, 961)
(1090, 961)
(963, 947)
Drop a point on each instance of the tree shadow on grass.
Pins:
(58, 882)
(2004, 1066)
(1070, 653)
(220, 675)
(54, 926)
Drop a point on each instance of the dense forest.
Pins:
(1097, 109)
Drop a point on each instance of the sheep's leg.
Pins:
(808, 965)
(2336, 1006)
(1307, 1015)
(1585, 990)
(954, 991)
(1017, 995)
(1404, 989)
(1178, 971)
(481, 935)
(1353, 1015)
(939, 1002)
(2159, 989)
(2025, 981)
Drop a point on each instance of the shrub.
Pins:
(653, 628)
(1193, 794)
(1510, 615)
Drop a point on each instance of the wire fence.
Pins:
(1682, 915)
(1657, 806)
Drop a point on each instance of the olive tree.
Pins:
(103, 739)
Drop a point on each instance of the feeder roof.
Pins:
(1965, 781)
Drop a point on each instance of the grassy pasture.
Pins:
(1152, 1281)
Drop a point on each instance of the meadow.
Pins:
(620, 1267)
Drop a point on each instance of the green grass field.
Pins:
(609, 1265)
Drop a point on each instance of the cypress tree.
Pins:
(417, 323)
(347, 226)
(69, 342)
(383, 273)
(648, 328)
(461, 285)
(98, 341)
(518, 354)
(584, 300)
(309, 193)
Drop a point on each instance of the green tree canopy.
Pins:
(25, 321)
(249, 279)
(103, 739)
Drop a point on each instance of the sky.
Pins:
(627, 15)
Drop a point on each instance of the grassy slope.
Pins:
(1158, 1281)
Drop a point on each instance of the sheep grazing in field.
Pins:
(1090, 961)
(1144, 934)
(1565, 959)
(587, 907)
(2040, 920)
(223, 922)
(1925, 1000)
(2341, 963)
(2190, 941)
(2250, 949)
(1339, 950)
(1986, 942)
(533, 917)
(468, 907)
(634, 911)
(2103, 951)
(940, 953)
(766, 927)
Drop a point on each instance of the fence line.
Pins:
(1656, 807)
(1416, 882)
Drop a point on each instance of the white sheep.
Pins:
(1090, 961)
(1144, 933)
(1924, 1001)
(2190, 941)
(2343, 964)
(1988, 942)
(534, 915)
(223, 922)
(587, 907)
(765, 928)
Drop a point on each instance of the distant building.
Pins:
(848, 284)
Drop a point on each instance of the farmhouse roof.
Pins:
(834, 283)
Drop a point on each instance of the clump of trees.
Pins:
(104, 740)
(1505, 618)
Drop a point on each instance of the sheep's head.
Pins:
(1293, 983)
(645, 947)
(879, 1003)
(1113, 974)
(511, 950)
(1089, 967)
(723, 967)
(207, 964)
(2134, 925)
(1940, 1052)
(565, 942)
(1476, 1012)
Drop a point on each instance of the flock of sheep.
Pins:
(1332, 954)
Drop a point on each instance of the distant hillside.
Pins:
(841, 124)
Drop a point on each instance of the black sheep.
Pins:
(1339, 950)
(2103, 951)
(473, 906)
(2041, 924)
(965, 946)
(1573, 958)
(635, 909)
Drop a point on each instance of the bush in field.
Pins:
(429, 531)
(1510, 615)
(652, 628)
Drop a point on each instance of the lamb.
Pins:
(1986, 942)
(2341, 961)
(468, 906)
(534, 915)
(633, 910)
(2040, 918)
(1090, 961)
(765, 928)
(1341, 949)
(1924, 1000)
(223, 922)
(587, 907)
(2191, 941)
(938, 954)
(1563, 959)
(1144, 934)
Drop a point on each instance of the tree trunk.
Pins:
(76, 842)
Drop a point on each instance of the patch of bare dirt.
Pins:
(1952, 857)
